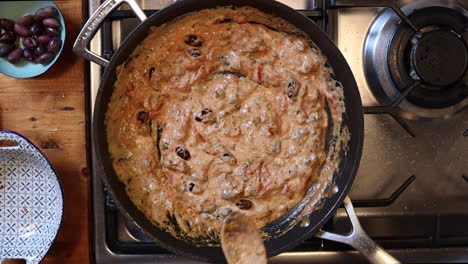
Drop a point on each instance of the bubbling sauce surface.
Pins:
(217, 111)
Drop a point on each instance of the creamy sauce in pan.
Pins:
(217, 112)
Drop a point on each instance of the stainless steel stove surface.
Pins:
(411, 190)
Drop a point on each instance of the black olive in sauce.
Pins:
(244, 204)
(191, 186)
(142, 116)
(229, 158)
(182, 153)
(276, 146)
(202, 115)
(292, 88)
(194, 52)
(226, 20)
(151, 71)
(193, 40)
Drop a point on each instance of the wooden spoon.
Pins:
(241, 241)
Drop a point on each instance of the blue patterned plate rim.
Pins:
(56, 176)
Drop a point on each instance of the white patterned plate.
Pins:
(31, 201)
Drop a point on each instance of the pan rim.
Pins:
(354, 153)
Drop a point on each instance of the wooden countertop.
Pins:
(49, 110)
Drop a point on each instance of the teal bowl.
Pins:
(14, 10)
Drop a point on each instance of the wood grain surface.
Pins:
(49, 110)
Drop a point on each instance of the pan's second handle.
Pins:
(359, 240)
(94, 23)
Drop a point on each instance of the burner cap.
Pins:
(439, 57)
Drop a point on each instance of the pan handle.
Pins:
(358, 239)
(94, 23)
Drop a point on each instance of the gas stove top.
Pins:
(410, 193)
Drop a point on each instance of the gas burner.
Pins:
(435, 56)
